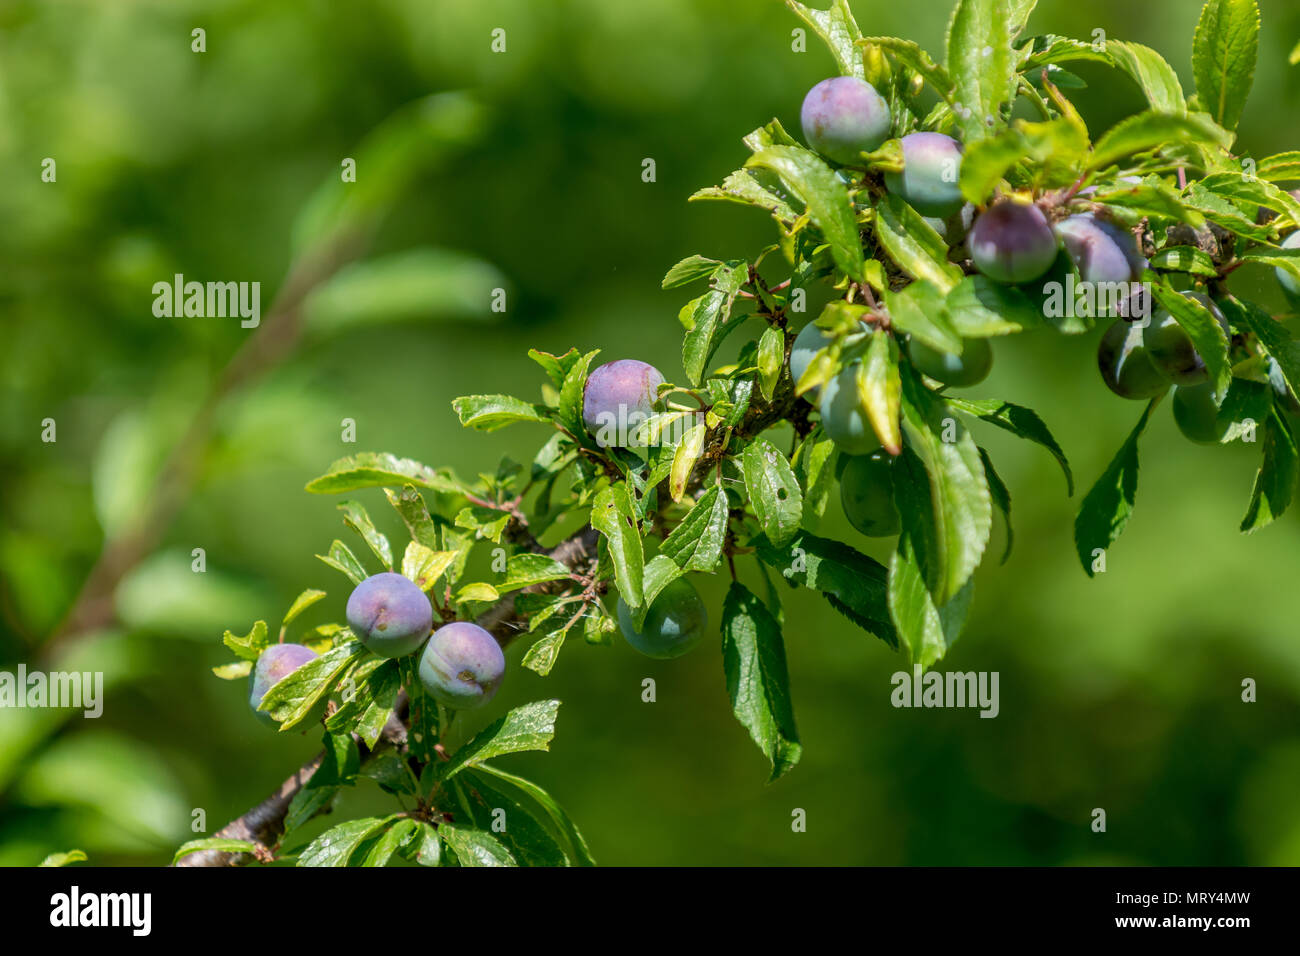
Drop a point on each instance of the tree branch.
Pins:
(264, 823)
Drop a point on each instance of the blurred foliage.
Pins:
(1121, 692)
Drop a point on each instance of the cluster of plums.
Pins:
(461, 666)
(625, 392)
(1010, 242)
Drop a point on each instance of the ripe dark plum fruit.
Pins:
(844, 117)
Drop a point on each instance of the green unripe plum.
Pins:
(843, 416)
(462, 665)
(969, 368)
(1012, 242)
(275, 663)
(806, 344)
(673, 625)
(867, 495)
(931, 174)
(389, 614)
(844, 117)
(1125, 366)
(1289, 283)
(1197, 415)
(1171, 349)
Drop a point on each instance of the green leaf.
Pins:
(838, 30)
(982, 65)
(919, 310)
(1157, 79)
(561, 825)
(250, 646)
(342, 559)
(771, 361)
(771, 133)
(711, 318)
(555, 366)
(1281, 168)
(752, 187)
(423, 565)
(758, 682)
(915, 58)
(76, 856)
(336, 845)
(1247, 405)
(193, 846)
(826, 197)
(1054, 146)
(340, 762)
(1106, 508)
(1223, 212)
(368, 701)
(487, 413)
(428, 847)
(530, 727)
(358, 519)
(1252, 191)
(234, 670)
(303, 601)
(815, 463)
(307, 803)
(525, 570)
(1048, 49)
(409, 505)
(696, 543)
(485, 522)
(1150, 198)
(686, 455)
(1186, 259)
(773, 491)
(960, 512)
(371, 470)
(913, 244)
(1020, 421)
(541, 657)
(476, 591)
(519, 826)
(1020, 11)
(613, 516)
(691, 269)
(290, 699)
(1271, 335)
(878, 388)
(1286, 259)
(1203, 329)
(1223, 57)
(475, 847)
(1275, 484)
(391, 774)
(390, 841)
(1001, 496)
(852, 582)
(571, 395)
(1146, 131)
(912, 608)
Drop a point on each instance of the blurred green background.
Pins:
(1121, 692)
